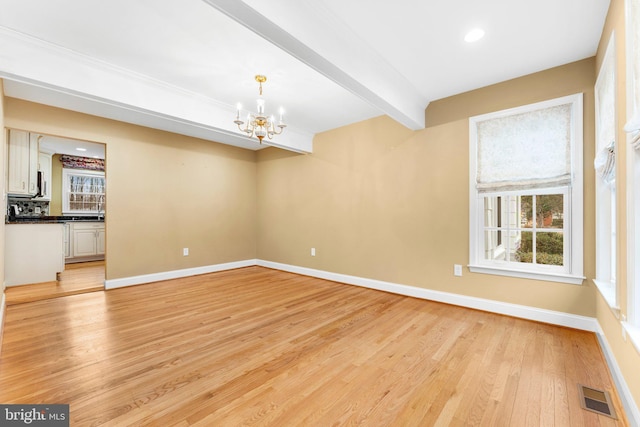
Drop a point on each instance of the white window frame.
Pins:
(606, 211)
(66, 185)
(572, 271)
(631, 322)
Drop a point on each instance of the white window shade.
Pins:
(525, 151)
(605, 164)
(633, 129)
(605, 160)
(633, 125)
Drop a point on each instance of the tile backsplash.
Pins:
(29, 208)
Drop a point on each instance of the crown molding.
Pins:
(39, 71)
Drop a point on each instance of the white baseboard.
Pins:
(514, 310)
(175, 274)
(630, 408)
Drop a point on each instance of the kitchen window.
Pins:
(526, 191)
(83, 192)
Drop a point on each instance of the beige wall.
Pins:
(379, 201)
(164, 192)
(3, 150)
(626, 355)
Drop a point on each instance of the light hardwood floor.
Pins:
(76, 278)
(260, 347)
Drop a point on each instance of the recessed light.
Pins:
(81, 149)
(474, 35)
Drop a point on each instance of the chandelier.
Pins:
(259, 124)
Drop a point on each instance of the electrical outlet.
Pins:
(185, 251)
(313, 251)
(457, 270)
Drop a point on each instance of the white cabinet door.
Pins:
(88, 239)
(22, 163)
(44, 166)
(100, 242)
(84, 242)
(67, 240)
(33, 163)
(18, 170)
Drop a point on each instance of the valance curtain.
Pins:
(525, 151)
(78, 162)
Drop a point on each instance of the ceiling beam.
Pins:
(310, 33)
(38, 71)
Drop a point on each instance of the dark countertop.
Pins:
(52, 219)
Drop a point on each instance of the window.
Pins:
(532, 231)
(632, 129)
(605, 165)
(83, 192)
(526, 191)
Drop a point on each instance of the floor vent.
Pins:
(598, 401)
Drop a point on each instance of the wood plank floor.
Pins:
(76, 278)
(259, 347)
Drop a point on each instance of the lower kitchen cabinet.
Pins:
(67, 240)
(33, 253)
(87, 239)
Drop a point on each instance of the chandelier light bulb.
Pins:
(260, 103)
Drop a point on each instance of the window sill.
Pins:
(548, 277)
(608, 292)
(633, 332)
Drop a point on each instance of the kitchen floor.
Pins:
(78, 278)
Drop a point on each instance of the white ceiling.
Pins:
(184, 65)
(58, 145)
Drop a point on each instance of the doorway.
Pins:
(73, 173)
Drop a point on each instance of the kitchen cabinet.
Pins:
(88, 239)
(44, 166)
(67, 240)
(22, 163)
(34, 253)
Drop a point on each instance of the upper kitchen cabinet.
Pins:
(22, 163)
(44, 167)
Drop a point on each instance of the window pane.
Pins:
(492, 211)
(526, 211)
(550, 211)
(524, 252)
(549, 248)
(493, 249)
